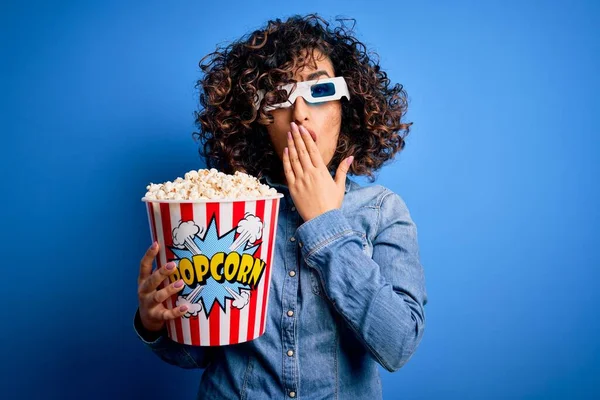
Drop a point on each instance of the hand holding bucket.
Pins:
(153, 313)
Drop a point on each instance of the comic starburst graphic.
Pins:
(211, 244)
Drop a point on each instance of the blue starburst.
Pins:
(214, 292)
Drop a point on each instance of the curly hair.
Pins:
(234, 133)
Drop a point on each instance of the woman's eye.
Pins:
(322, 90)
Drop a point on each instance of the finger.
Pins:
(287, 167)
(294, 160)
(303, 155)
(157, 277)
(342, 171)
(164, 293)
(177, 312)
(311, 148)
(146, 263)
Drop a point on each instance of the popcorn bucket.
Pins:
(223, 249)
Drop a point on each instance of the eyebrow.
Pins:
(315, 75)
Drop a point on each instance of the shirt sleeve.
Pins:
(382, 297)
(180, 355)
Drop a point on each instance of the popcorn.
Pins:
(205, 184)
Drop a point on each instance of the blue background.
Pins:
(500, 173)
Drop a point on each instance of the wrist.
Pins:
(148, 333)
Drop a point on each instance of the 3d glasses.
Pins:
(317, 91)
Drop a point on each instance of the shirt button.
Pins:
(292, 239)
(290, 313)
(292, 394)
(300, 244)
(292, 273)
(293, 208)
(290, 353)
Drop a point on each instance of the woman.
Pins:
(299, 106)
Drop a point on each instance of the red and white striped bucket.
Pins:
(224, 251)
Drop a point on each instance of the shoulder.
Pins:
(371, 209)
(376, 196)
(389, 207)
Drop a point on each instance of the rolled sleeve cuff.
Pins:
(322, 230)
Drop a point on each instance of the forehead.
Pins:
(309, 65)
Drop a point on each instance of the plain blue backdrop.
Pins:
(500, 173)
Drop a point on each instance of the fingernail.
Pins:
(293, 124)
(183, 308)
(170, 265)
(154, 246)
(349, 161)
(178, 284)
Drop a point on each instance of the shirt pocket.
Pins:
(315, 279)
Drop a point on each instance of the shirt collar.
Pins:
(282, 187)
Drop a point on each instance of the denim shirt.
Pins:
(347, 295)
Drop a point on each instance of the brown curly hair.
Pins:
(234, 132)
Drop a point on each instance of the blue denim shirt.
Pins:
(347, 294)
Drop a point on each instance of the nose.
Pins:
(300, 110)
